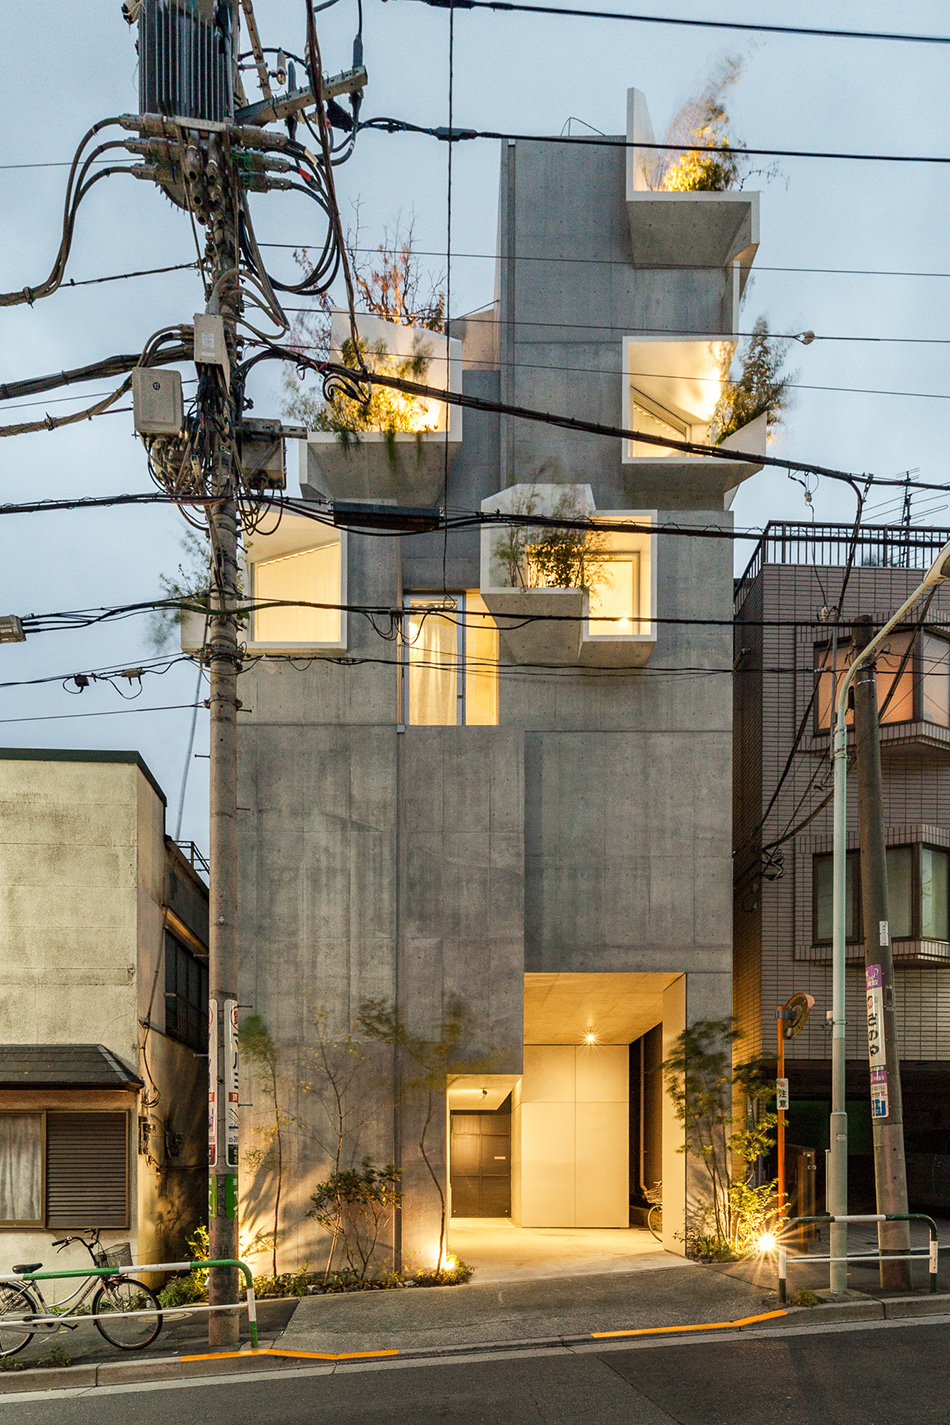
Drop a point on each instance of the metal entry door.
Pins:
(480, 1164)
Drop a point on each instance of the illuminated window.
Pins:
(935, 680)
(450, 662)
(311, 576)
(895, 681)
(652, 419)
(615, 597)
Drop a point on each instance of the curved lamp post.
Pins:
(836, 1197)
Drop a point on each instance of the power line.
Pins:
(109, 712)
(810, 31)
(446, 135)
(618, 262)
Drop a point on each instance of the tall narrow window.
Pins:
(934, 887)
(823, 893)
(900, 891)
(450, 661)
(21, 1168)
(935, 679)
(615, 596)
(311, 576)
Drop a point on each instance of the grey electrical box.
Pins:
(156, 402)
(262, 454)
(211, 349)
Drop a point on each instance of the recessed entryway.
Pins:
(499, 1251)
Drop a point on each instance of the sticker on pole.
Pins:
(212, 1084)
(781, 1095)
(878, 1093)
(231, 1084)
(877, 1059)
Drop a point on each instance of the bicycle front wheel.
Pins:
(14, 1302)
(115, 1309)
(655, 1222)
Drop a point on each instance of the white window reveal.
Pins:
(310, 576)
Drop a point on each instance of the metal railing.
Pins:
(877, 546)
(919, 1256)
(197, 859)
(36, 1320)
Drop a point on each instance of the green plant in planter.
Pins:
(763, 385)
(383, 410)
(555, 556)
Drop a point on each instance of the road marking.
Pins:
(304, 1355)
(701, 1326)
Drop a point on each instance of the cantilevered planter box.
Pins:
(567, 626)
(410, 469)
(670, 388)
(683, 229)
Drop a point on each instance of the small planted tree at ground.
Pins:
(356, 1205)
(731, 1210)
(428, 1063)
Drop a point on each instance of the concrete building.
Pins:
(500, 789)
(103, 1010)
(783, 830)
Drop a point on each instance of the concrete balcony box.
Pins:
(365, 469)
(301, 560)
(555, 625)
(671, 386)
(699, 230)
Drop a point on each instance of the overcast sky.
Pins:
(512, 73)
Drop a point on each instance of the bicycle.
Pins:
(654, 1197)
(114, 1299)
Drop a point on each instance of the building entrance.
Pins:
(480, 1162)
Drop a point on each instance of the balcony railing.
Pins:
(828, 545)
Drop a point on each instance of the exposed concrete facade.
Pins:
(88, 887)
(588, 832)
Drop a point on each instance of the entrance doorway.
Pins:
(480, 1162)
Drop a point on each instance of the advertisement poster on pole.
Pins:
(231, 1080)
(877, 1058)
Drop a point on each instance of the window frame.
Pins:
(453, 601)
(916, 893)
(23, 1224)
(917, 672)
(201, 1047)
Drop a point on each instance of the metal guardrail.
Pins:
(878, 546)
(37, 1320)
(932, 1253)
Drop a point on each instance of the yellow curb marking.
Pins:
(304, 1355)
(704, 1326)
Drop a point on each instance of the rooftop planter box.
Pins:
(407, 467)
(609, 623)
(301, 560)
(690, 229)
(670, 387)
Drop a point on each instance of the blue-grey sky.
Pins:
(519, 73)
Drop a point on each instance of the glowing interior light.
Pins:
(625, 623)
(766, 1242)
(590, 1037)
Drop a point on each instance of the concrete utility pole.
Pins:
(887, 1116)
(215, 348)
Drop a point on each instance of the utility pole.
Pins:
(887, 1116)
(224, 663)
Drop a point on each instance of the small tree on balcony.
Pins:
(762, 386)
(703, 121)
(566, 556)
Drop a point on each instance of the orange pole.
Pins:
(780, 1022)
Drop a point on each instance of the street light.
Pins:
(836, 1199)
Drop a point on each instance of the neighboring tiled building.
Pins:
(517, 796)
(783, 833)
(103, 1009)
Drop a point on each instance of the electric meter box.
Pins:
(156, 402)
(262, 454)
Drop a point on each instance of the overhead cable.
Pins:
(811, 31)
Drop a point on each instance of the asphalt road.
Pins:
(850, 1375)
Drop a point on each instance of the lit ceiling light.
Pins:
(590, 1037)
